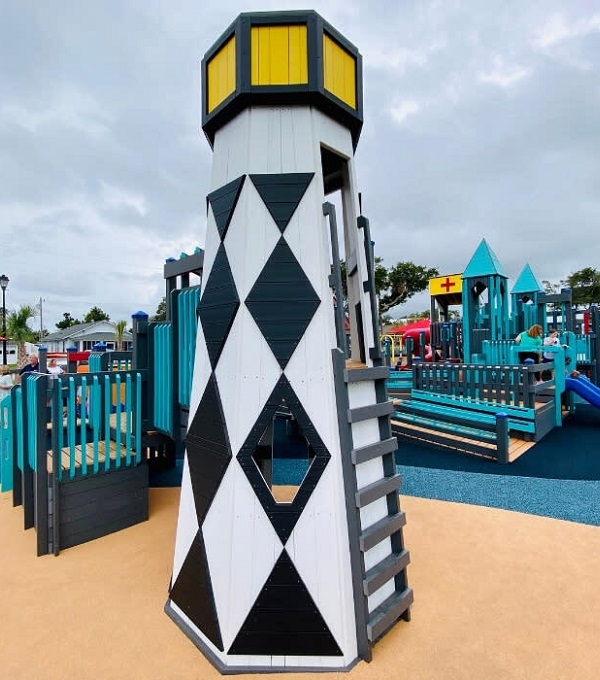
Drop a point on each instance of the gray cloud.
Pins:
(481, 121)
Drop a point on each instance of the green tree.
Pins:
(551, 288)
(40, 334)
(585, 286)
(95, 314)
(161, 311)
(67, 321)
(119, 331)
(18, 329)
(397, 284)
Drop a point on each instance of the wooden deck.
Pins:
(87, 451)
(517, 447)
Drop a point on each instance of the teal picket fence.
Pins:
(87, 423)
(162, 371)
(187, 326)
(109, 361)
(96, 422)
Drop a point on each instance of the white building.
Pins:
(84, 336)
(11, 351)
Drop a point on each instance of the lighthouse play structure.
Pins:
(289, 550)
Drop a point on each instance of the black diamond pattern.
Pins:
(218, 306)
(282, 193)
(223, 202)
(208, 449)
(283, 516)
(285, 620)
(192, 592)
(282, 302)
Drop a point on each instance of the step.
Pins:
(382, 529)
(458, 429)
(376, 450)
(458, 412)
(381, 573)
(357, 415)
(352, 375)
(378, 489)
(388, 612)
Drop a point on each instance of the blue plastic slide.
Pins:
(585, 389)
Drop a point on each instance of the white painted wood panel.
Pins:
(361, 394)
(242, 549)
(365, 432)
(373, 513)
(187, 523)
(378, 553)
(369, 472)
(380, 595)
(246, 374)
(202, 371)
(319, 549)
(250, 239)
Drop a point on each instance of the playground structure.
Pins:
(489, 404)
(77, 450)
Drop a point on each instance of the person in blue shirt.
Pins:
(32, 366)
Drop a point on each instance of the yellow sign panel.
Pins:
(339, 71)
(221, 75)
(279, 55)
(445, 285)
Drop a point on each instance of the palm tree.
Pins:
(119, 331)
(19, 331)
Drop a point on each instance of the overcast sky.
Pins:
(482, 120)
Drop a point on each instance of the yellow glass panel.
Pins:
(220, 74)
(279, 55)
(339, 72)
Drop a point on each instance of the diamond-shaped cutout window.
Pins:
(283, 455)
(283, 420)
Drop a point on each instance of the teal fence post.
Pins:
(6, 444)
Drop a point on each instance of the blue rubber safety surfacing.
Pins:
(559, 477)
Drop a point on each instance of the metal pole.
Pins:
(4, 362)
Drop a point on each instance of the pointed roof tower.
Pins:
(527, 282)
(485, 303)
(484, 263)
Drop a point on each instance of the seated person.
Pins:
(531, 342)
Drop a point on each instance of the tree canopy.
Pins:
(585, 286)
(18, 329)
(161, 311)
(67, 321)
(397, 284)
(95, 314)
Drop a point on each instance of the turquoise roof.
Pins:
(527, 282)
(484, 263)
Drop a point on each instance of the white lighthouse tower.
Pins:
(289, 551)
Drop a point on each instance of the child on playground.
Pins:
(550, 340)
(531, 342)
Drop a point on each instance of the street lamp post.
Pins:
(3, 284)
